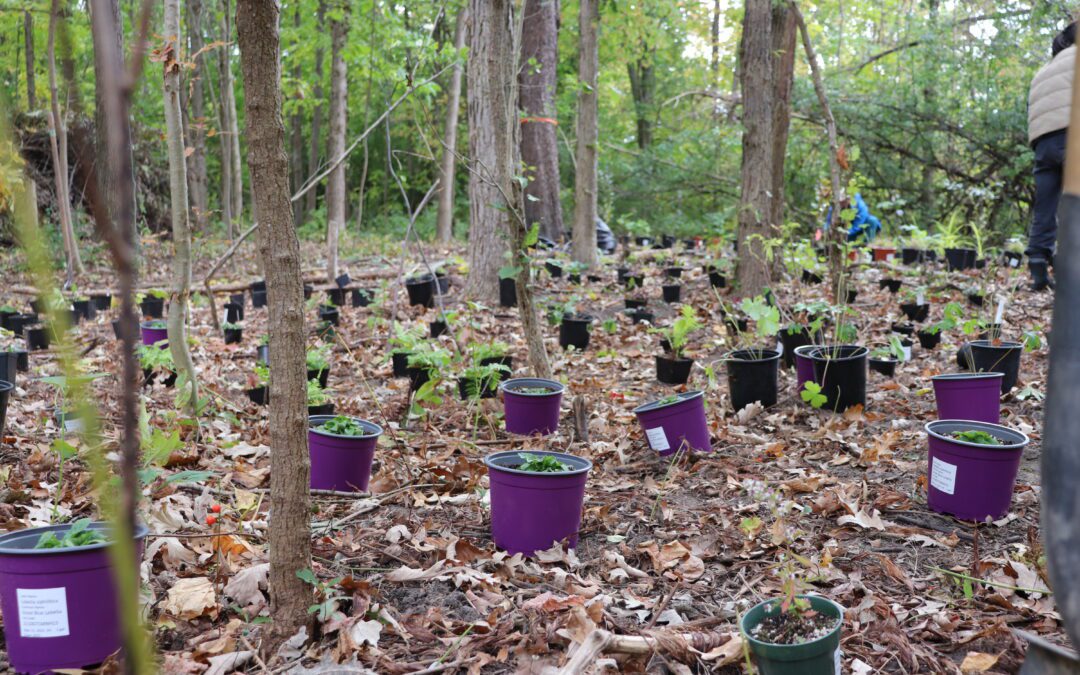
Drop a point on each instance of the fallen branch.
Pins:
(719, 649)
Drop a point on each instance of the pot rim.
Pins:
(1007, 345)
(141, 531)
(6, 386)
(986, 375)
(805, 350)
(580, 464)
(859, 353)
(507, 387)
(773, 355)
(972, 425)
(578, 318)
(744, 629)
(655, 405)
(315, 421)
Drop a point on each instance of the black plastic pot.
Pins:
(910, 256)
(418, 377)
(421, 290)
(841, 371)
(361, 297)
(37, 337)
(238, 299)
(976, 299)
(5, 394)
(258, 286)
(553, 268)
(752, 376)
(9, 366)
(621, 273)
(400, 363)
(336, 296)
(342, 280)
(736, 326)
(102, 301)
(886, 367)
(322, 409)
(5, 316)
(323, 376)
(643, 241)
(674, 272)
(574, 332)
(22, 360)
(1012, 259)
(928, 340)
(437, 327)
(330, 314)
(149, 376)
(309, 290)
(84, 309)
(116, 328)
(892, 284)
(574, 278)
(233, 335)
(483, 389)
(957, 259)
(1003, 357)
(259, 395)
(635, 303)
(506, 360)
(903, 328)
(992, 332)
(262, 354)
(594, 278)
(667, 240)
(17, 322)
(673, 371)
(641, 315)
(507, 292)
(636, 280)
(792, 341)
(672, 292)
(152, 307)
(717, 280)
(809, 277)
(258, 299)
(233, 313)
(915, 312)
(852, 294)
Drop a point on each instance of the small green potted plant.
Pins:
(156, 362)
(481, 380)
(675, 367)
(930, 337)
(318, 399)
(427, 363)
(494, 352)
(884, 359)
(403, 343)
(318, 364)
(259, 384)
(753, 370)
(234, 333)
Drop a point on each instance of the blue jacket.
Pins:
(864, 225)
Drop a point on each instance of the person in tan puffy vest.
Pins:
(1049, 104)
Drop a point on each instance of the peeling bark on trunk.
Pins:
(757, 159)
(539, 138)
(492, 97)
(444, 222)
(339, 95)
(196, 119)
(58, 148)
(178, 191)
(290, 526)
(585, 183)
(314, 152)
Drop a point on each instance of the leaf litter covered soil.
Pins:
(667, 547)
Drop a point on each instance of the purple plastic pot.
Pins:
(676, 422)
(804, 367)
(59, 605)
(532, 511)
(152, 336)
(531, 413)
(969, 396)
(969, 480)
(341, 462)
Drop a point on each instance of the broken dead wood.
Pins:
(717, 648)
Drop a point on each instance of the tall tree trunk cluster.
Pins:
(195, 114)
(586, 182)
(58, 146)
(339, 94)
(232, 181)
(444, 222)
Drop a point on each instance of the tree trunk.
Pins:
(104, 168)
(290, 524)
(228, 112)
(538, 78)
(178, 191)
(316, 114)
(784, 33)
(58, 148)
(335, 147)
(31, 84)
(642, 87)
(757, 159)
(296, 149)
(585, 182)
(714, 36)
(444, 222)
(196, 116)
(492, 97)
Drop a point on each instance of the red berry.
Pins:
(210, 520)
(216, 508)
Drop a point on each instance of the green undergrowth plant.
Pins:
(78, 534)
(316, 394)
(678, 334)
(893, 350)
(318, 358)
(343, 425)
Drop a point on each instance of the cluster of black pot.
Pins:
(424, 288)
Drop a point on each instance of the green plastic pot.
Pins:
(820, 657)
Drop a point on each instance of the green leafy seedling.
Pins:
(343, 426)
(79, 534)
(976, 436)
(541, 463)
(811, 393)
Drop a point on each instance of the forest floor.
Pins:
(666, 547)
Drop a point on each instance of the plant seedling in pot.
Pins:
(753, 370)
(675, 369)
(541, 463)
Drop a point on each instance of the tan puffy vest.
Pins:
(1050, 98)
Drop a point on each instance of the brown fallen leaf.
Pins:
(191, 598)
(978, 662)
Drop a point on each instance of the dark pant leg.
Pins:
(1049, 162)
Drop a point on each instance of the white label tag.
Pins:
(888, 258)
(837, 662)
(907, 353)
(657, 439)
(943, 476)
(780, 347)
(73, 426)
(1013, 262)
(43, 612)
(920, 300)
(1000, 311)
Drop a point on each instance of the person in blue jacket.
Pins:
(865, 225)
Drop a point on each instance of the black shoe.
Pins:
(1040, 275)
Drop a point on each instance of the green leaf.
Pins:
(183, 477)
